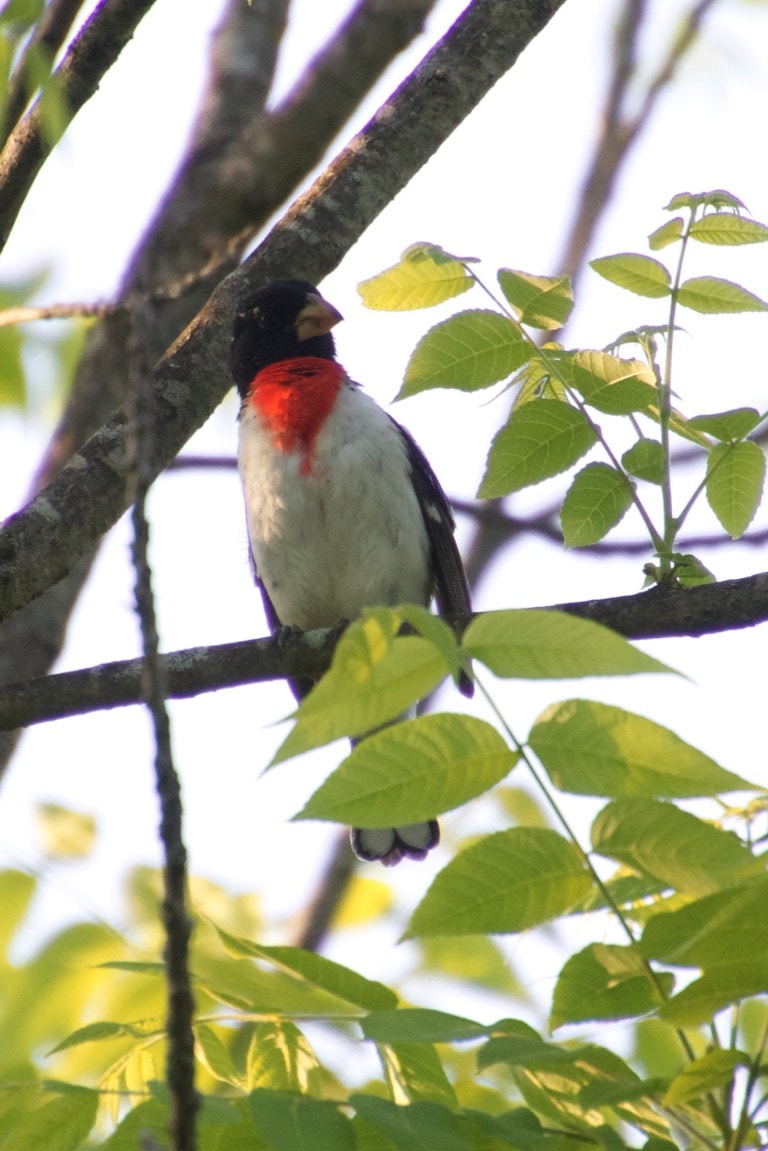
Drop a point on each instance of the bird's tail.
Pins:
(388, 845)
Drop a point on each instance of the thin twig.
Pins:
(26, 314)
(176, 918)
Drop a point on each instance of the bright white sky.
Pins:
(503, 189)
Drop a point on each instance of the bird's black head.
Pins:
(285, 319)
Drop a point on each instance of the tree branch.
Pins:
(41, 544)
(88, 58)
(49, 34)
(660, 612)
(177, 922)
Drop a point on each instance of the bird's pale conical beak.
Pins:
(316, 318)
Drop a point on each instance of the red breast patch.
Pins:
(293, 398)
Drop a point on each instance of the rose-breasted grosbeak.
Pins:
(343, 510)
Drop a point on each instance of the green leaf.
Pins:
(420, 1025)
(645, 460)
(545, 644)
(280, 1058)
(540, 301)
(673, 846)
(13, 386)
(505, 882)
(667, 234)
(639, 274)
(414, 1127)
(726, 935)
(375, 677)
(596, 501)
(289, 1122)
(713, 296)
(717, 199)
(431, 627)
(98, 1032)
(413, 1072)
(727, 228)
(413, 771)
(62, 1124)
(735, 479)
(316, 969)
(614, 386)
(540, 440)
(469, 351)
(605, 981)
(214, 1056)
(17, 890)
(727, 426)
(590, 748)
(424, 276)
(537, 382)
(709, 1072)
(64, 834)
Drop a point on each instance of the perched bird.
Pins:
(343, 511)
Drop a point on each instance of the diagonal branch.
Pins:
(49, 34)
(42, 543)
(89, 57)
(661, 612)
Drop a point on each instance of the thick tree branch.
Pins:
(41, 544)
(88, 58)
(661, 612)
(178, 242)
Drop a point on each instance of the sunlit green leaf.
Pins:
(719, 198)
(709, 1072)
(591, 748)
(614, 386)
(413, 1072)
(534, 644)
(505, 882)
(596, 501)
(65, 834)
(280, 1058)
(537, 382)
(539, 440)
(727, 228)
(332, 977)
(413, 771)
(735, 479)
(424, 276)
(470, 351)
(16, 892)
(672, 845)
(639, 274)
(375, 677)
(540, 301)
(711, 295)
(214, 1055)
(667, 234)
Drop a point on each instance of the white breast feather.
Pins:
(349, 534)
